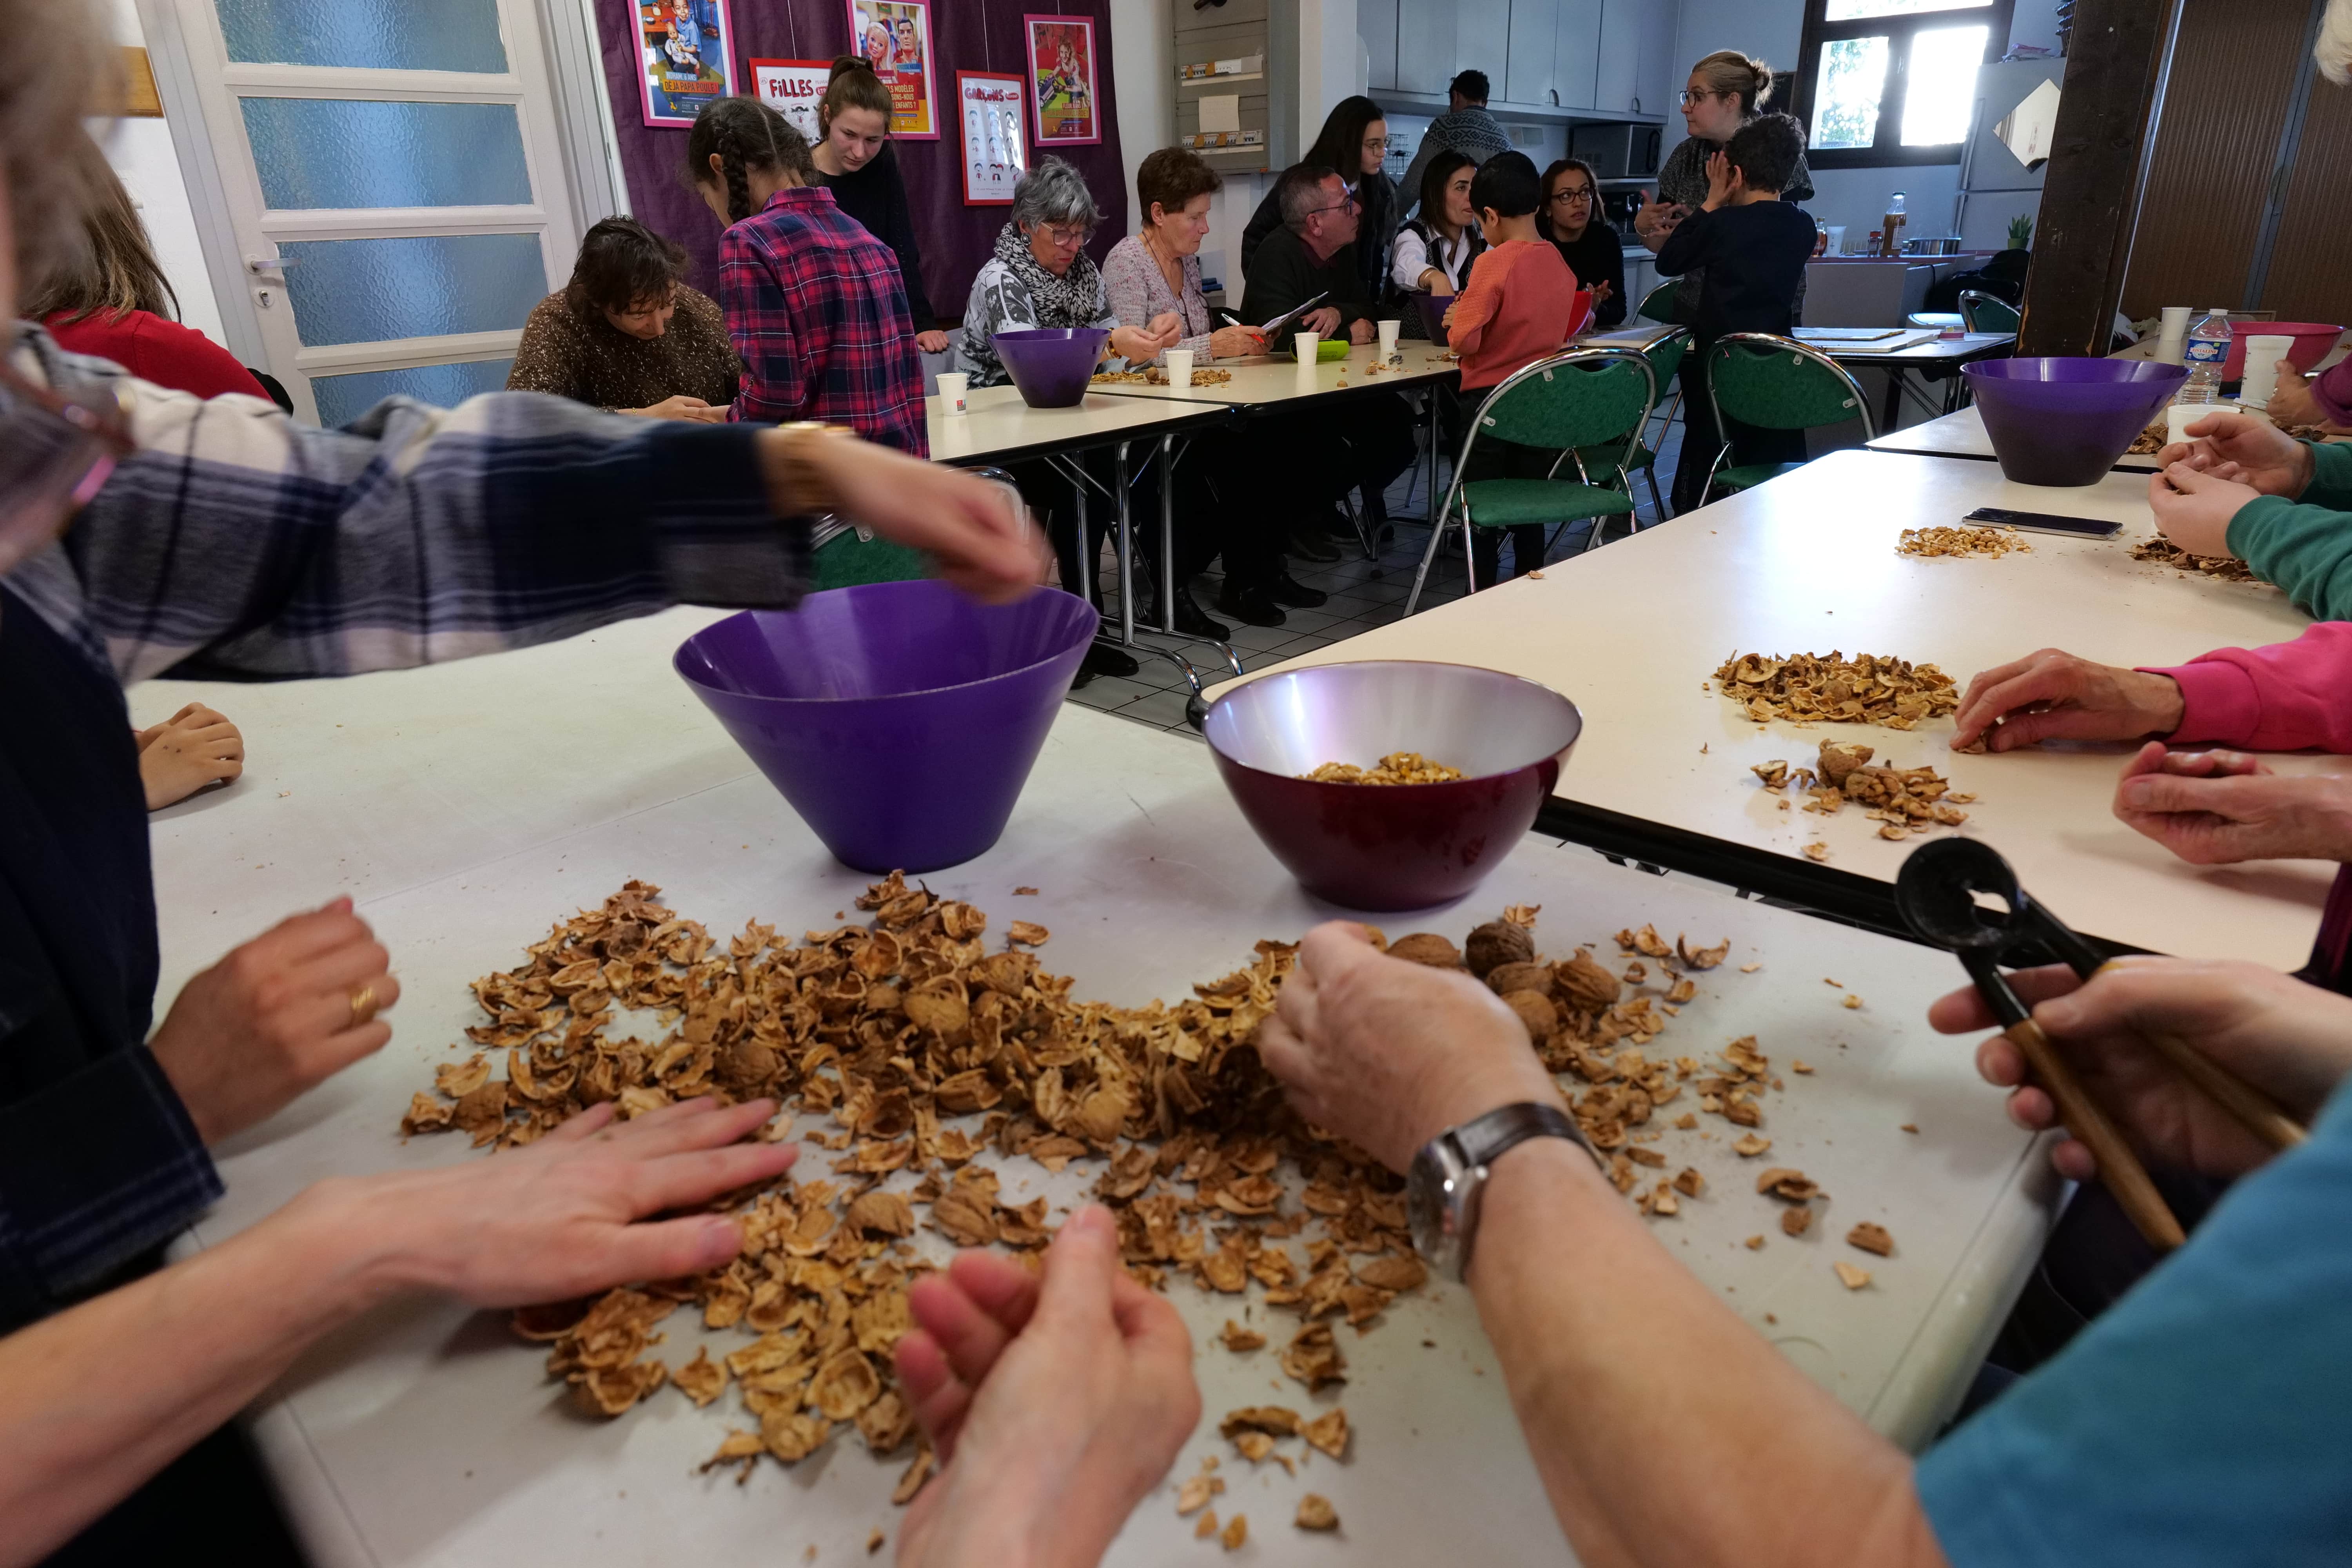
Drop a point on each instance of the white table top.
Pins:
(1807, 563)
(1914, 345)
(427, 1435)
(1000, 428)
(1260, 380)
(1962, 435)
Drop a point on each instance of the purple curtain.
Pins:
(966, 34)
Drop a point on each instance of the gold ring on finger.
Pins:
(362, 1005)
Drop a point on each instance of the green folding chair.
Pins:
(1658, 304)
(1778, 383)
(1983, 312)
(1584, 399)
(1665, 358)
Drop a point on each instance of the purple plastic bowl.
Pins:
(1051, 364)
(2065, 421)
(900, 719)
(1432, 308)
(1390, 846)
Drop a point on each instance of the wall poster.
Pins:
(1062, 74)
(794, 89)
(995, 154)
(896, 35)
(686, 58)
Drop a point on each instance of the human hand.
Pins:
(1133, 344)
(1722, 180)
(1323, 321)
(682, 407)
(279, 1015)
(1446, 320)
(1656, 219)
(2193, 510)
(559, 1217)
(1363, 330)
(982, 542)
(932, 342)
(1053, 1406)
(2291, 402)
(1601, 291)
(2215, 808)
(2052, 695)
(2246, 451)
(2290, 1040)
(1167, 329)
(1388, 1054)
(192, 748)
(1235, 343)
(1440, 286)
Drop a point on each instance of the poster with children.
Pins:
(896, 35)
(994, 155)
(793, 89)
(1062, 73)
(686, 58)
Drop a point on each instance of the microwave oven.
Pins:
(1617, 152)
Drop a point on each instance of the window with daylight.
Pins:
(1894, 81)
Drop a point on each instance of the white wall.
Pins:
(1143, 77)
(143, 154)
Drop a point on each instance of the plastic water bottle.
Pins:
(2206, 352)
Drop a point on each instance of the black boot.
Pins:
(1287, 590)
(1249, 603)
(1102, 658)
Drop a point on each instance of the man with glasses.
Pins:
(1465, 126)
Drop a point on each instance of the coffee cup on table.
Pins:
(1180, 366)
(953, 384)
(1303, 345)
(2172, 336)
(1389, 339)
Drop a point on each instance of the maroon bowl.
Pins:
(1379, 848)
(1051, 365)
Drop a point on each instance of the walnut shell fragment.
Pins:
(1328, 1432)
(792, 1436)
(1851, 1278)
(1838, 759)
(1871, 1237)
(1316, 1512)
(912, 1481)
(701, 1380)
(1238, 1338)
(1313, 1357)
(1236, 1532)
(1750, 1145)
(1275, 1420)
(1784, 1183)
(882, 1213)
(1496, 943)
(1797, 1221)
(1701, 957)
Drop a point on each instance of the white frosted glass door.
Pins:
(391, 186)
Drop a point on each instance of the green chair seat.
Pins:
(846, 560)
(1747, 476)
(1513, 503)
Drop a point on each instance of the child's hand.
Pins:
(1723, 180)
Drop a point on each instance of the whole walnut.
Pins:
(1534, 1010)
(1506, 978)
(1426, 947)
(1583, 984)
(1496, 943)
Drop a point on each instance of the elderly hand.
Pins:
(2054, 696)
(1323, 321)
(1388, 1054)
(1362, 329)
(2291, 402)
(1235, 343)
(2245, 451)
(1053, 1406)
(2215, 808)
(2194, 510)
(279, 1015)
(192, 748)
(682, 407)
(561, 1217)
(980, 536)
(1166, 328)
(2290, 1040)
(1135, 345)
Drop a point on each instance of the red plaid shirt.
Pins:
(815, 306)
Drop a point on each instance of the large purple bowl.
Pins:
(1051, 365)
(1390, 846)
(2065, 421)
(900, 719)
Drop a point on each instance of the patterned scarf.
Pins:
(1073, 300)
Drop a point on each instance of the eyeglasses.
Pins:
(1582, 193)
(55, 453)
(1069, 234)
(1701, 96)
(1348, 200)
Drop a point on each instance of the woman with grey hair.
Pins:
(1042, 276)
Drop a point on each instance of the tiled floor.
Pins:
(1362, 594)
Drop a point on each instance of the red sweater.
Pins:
(158, 350)
(1514, 310)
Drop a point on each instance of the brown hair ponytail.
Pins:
(852, 85)
(1732, 73)
(746, 134)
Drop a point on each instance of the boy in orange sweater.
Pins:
(1514, 310)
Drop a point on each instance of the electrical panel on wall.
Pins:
(1226, 70)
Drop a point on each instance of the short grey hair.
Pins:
(1298, 194)
(1054, 192)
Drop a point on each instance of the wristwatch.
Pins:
(803, 489)
(1449, 1175)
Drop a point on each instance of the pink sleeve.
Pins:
(2332, 390)
(2288, 697)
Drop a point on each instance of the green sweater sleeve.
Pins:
(2305, 546)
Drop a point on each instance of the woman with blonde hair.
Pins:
(1725, 90)
(854, 161)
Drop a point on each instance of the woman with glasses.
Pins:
(1355, 141)
(1724, 91)
(1569, 217)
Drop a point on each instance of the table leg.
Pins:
(1126, 545)
(1085, 587)
(1168, 589)
(1430, 399)
(1894, 399)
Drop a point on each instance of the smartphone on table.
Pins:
(2043, 522)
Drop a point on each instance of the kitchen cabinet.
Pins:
(1482, 41)
(1619, 54)
(1576, 51)
(1659, 74)
(1376, 23)
(1528, 76)
(1424, 45)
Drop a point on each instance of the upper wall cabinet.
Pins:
(1658, 74)
(1425, 45)
(1527, 74)
(1376, 23)
(1576, 51)
(1482, 41)
(1602, 56)
(1619, 54)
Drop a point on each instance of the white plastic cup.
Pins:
(2172, 336)
(2265, 354)
(1837, 239)
(1389, 331)
(2179, 417)
(953, 384)
(1303, 345)
(1180, 366)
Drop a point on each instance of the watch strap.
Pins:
(1486, 1138)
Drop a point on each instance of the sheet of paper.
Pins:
(1221, 111)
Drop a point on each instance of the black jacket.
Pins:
(876, 196)
(1284, 273)
(1375, 230)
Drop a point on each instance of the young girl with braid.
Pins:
(814, 303)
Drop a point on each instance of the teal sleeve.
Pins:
(2205, 1418)
(2331, 476)
(2305, 549)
